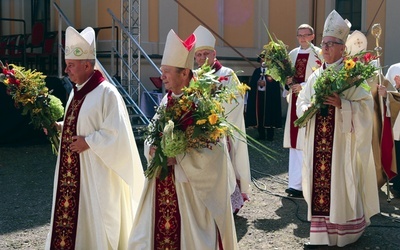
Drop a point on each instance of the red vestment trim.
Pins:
(322, 162)
(68, 185)
(167, 229)
(301, 67)
(323, 225)
(387, 144)
(66, 205)
(299, 77)
(294, 131)
(217, 65)
(93, 82)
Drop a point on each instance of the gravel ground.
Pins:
(269, 221)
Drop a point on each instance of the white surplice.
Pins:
(296, 154)
(238, 151)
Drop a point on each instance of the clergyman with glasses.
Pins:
(305, 59)
(339, 179)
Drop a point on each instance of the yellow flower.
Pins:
(231, 97)
(212, 119)
(242, 88)
(201, 122)
(349, 64)
(185, 103)
(216, 134)
(25, 99)
(183, 100)
(222, 131)
(37, 110)
(218, 106)
(44, 91)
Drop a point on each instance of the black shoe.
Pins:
(308, 245)
(395, 192)
(294, 193)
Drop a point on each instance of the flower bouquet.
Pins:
(195, 120)
(277, 60)
(29, 92)
(356, 70)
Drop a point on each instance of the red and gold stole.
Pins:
(387, 144)
(217, 65)
(167, 228)
(66, 204)
(299, 77)
(322, 162)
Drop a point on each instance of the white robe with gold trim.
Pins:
(353, 177)
(111, 172)
(204, 181)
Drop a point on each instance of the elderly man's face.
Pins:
(332, 49)
(173, 78)
(201, 55)
(397, 81)
(77, 70)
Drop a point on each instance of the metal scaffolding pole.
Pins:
(130, 69)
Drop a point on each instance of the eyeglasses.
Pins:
(304, 36)
(329, 44)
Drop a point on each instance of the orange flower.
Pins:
(212, 119)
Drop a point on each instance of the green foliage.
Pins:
(356, 70)
(29, 92)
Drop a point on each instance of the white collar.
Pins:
(80, 86)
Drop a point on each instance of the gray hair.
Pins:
(91, 61)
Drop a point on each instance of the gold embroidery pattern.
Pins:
(323, 144)
(67, 198)
(301, 66)
(167, 217)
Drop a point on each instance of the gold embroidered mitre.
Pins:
(336, 26)
(80, 46)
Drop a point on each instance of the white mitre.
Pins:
(204, 39)
(178, 53)
(393, 71)
(80, 46)
(337, 27)
(356, 42)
